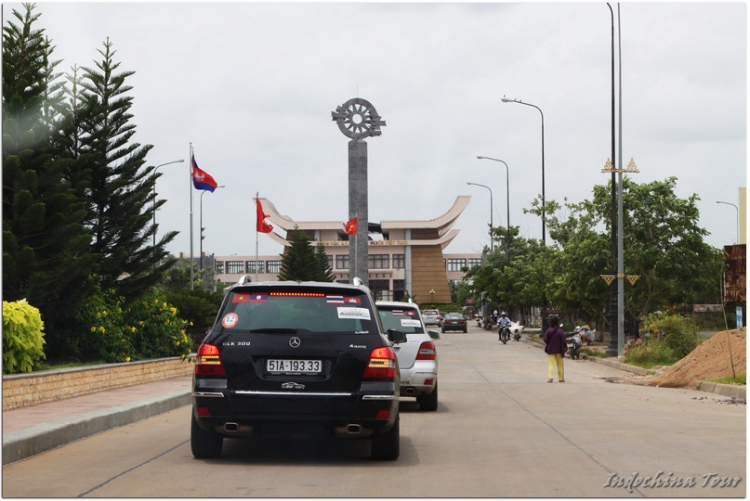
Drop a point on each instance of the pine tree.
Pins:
(120, 195)
(299, 262)
(45, 244)
(324, 272)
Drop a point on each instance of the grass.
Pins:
(739, 379)
(593, 353)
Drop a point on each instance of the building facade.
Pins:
(404, 257)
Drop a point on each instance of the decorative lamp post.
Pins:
(492, 240)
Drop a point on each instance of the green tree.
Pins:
(324, 272)
(120, 194)
(45, 244)
(299, 261)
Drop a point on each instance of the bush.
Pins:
(114, 332)
(653, 351)
(23, 339)
(680, 334)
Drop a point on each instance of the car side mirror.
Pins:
(434, 334)
(396, 336)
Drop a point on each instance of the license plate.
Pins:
(294, 366)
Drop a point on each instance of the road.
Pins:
(500, 431)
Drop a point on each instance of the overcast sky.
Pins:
(252, 87)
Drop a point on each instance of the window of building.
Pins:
(474, 261)
(250, 267)
(235, 267)
(273, 266)
(399, 261)
(380, 290)
(219, 266)
(342, 262)
(455, 264)
(378, 261)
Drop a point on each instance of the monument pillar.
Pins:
(357, 120)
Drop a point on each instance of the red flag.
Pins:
(351, 227)
(262, 226)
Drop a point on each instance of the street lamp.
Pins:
(203, 192)
(154, 191)
(544, 213)
(737, 239)
(492, 245)
(507, 190)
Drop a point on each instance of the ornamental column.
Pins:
(357, 119)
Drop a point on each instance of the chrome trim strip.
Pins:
(380, 397)
(292, 394)
(208, 394)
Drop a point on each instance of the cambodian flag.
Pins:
(202, 180)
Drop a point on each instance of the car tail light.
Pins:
(382, 364)
(208, 361)
(427, 351)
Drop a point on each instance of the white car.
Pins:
(417, 357)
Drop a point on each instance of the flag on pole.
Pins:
(262, 226)
(351, 227)
(202, 180)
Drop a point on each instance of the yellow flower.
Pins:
(127, 359)
(102, 329)
(191, 324)
(173, 310)
(132, 329)
(164, 306)
(167, 322)
(141, 323)
(93, 329)
(182, 331)
(104, 313)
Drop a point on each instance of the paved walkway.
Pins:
(31, 430)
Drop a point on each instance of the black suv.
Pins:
(296, 357)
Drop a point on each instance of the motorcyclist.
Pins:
(502, 322)
(587, 335)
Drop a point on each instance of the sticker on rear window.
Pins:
(408, 322)
(230, 320)
(361, 313)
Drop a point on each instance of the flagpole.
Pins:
(356, 270)
(257, 278)
(190, 187)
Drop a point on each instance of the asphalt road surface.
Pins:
(500, 431)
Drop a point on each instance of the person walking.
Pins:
(555, 347)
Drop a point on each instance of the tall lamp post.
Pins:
(492, 244)
(737, 238)
(507, 190)
(544, 213)
(203, 192)
(154, 205)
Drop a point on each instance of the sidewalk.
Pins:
(30, 430)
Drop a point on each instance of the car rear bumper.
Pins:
(420, 379)
(256, 412)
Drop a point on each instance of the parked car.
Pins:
(299, 356)
(417, 357)
(455, 322)
(432, 317)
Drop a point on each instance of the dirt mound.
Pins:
(710, 360)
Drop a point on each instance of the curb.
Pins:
(727, 390)
(22, 444)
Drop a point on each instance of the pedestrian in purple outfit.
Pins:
(555, 347)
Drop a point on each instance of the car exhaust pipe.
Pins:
(231, 427)
(410, 391)
(354, 429)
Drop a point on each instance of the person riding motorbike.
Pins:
(503, 323)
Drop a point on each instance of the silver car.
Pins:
(417, 357)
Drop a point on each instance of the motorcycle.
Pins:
(505, 334)
(574, 345)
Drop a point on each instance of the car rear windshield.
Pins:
(299, 310)
(405, 320)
